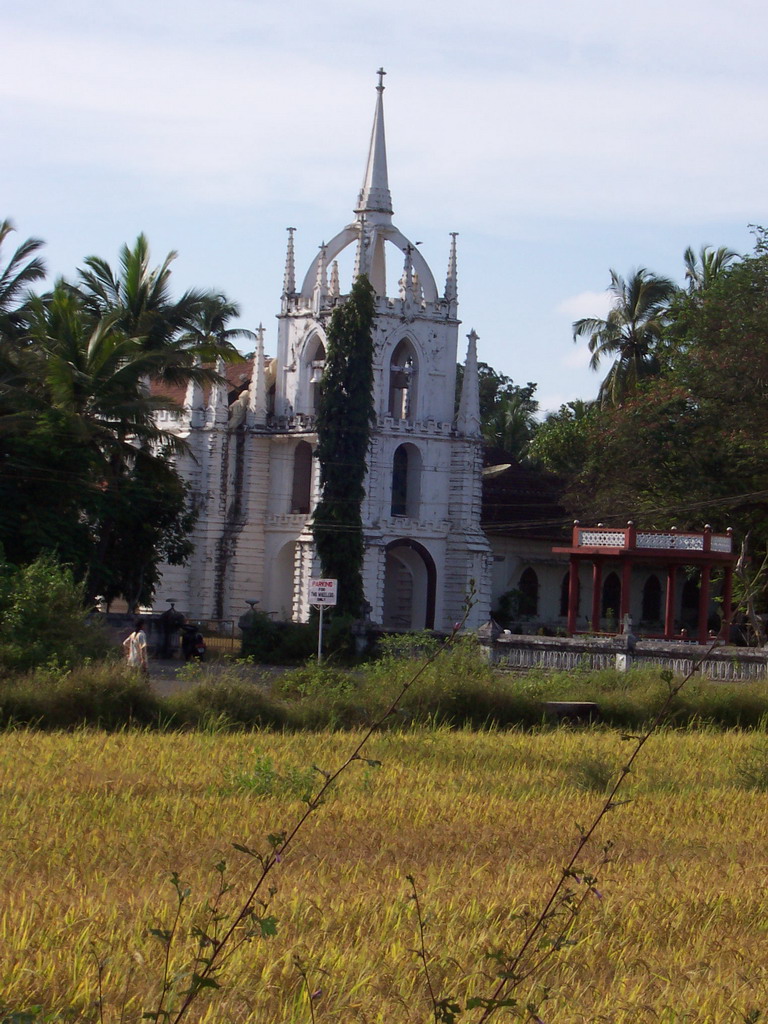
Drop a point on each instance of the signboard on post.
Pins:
(322, 594)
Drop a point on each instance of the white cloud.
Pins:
(559, 138)
(586, 304)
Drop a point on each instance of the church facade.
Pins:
(251, 444)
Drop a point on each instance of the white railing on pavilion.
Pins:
(652, 540)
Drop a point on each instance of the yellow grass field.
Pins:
(93, 824)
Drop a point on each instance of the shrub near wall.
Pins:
(42, 619)
(278, 643)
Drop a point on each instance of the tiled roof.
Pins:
(238, 377)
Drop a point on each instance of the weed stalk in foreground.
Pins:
(251, 919)
(536, 948)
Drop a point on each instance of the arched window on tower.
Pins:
(301, 490)
(406, 481)
(403, 378)
(314, 364)
(529, 593)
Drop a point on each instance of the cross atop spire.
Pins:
(374, 195)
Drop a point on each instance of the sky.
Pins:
(559, 138)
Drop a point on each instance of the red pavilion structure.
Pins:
(621, 549)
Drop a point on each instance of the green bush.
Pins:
(42, 619)
(278, 643)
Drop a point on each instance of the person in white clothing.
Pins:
(135, 647)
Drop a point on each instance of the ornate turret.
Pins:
(289, 277)
(451, 280)
(321, 284)
(468, 418)
(257, 391)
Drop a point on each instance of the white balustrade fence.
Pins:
(732, 664)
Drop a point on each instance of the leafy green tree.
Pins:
(95, 447)
(42, 617)
(85, 470)
(149, 519)
(344, 419)
(561, 441)
(690, 445)
(630, 333)
(507, 410)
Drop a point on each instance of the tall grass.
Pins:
(458, 689)
(94, 824)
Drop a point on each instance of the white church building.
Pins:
(251, 445)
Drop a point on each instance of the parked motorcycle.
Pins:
(192, 643)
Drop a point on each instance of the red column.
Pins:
(573, 594)
(597, 593)
(725, 627)
(669, 608)
(626, 591)
(706, 572)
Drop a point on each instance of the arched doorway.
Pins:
(651, 612)
(611, 605)
(689, 605)
(565, 586)
(529, 593)
(410, 580)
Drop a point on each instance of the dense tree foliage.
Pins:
(85, 472)
(689, 444)
(344, 419)
(560, 443)
(695, 436)
(42, 619)
(507, 410)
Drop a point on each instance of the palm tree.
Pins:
(23, 268)
(630, 332)
(512, 425)
(84, 371)
(703, 268)
(210, 324)
(186, 331)
(91, 374)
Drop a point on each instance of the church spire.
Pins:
(374, 195)
(257, 390)
(289, 280)
(321, 283)
(451, 282)
(468, 418)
